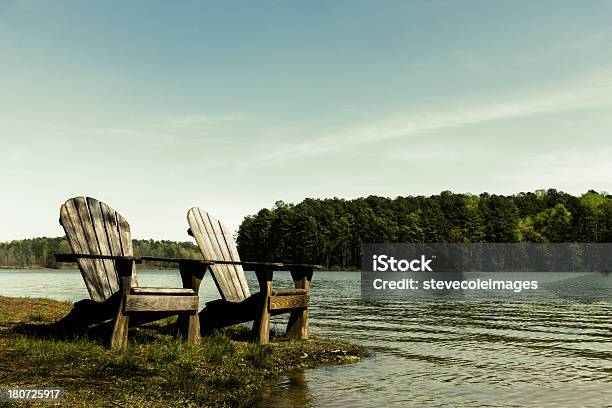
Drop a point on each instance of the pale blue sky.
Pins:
(157, 106)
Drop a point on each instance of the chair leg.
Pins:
(297, 327)
(187, 327)
(193, 328)
(119, 338)
(263, 326)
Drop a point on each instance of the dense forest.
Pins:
(39, 252)
(330, 231)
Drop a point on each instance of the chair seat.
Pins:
(163, 291)
(288, 292)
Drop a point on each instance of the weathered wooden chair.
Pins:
(102, 247)
(237, 304)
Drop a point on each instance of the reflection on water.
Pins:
(288, 392)
(493, 352)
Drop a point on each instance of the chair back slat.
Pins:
(94, 228)
(216, 243)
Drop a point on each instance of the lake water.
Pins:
(476, 353)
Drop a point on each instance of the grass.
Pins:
(154, 370)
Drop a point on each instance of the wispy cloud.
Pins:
(598, 94)
(196, 120)
(164, 132)
(117, 132)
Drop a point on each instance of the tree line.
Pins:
(330, 231)
(39, 252)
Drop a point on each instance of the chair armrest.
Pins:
(192, 270)
(124, 264)
(75, 257)
(301, 275)
(177, 260)
(277, 266)
(136, 259)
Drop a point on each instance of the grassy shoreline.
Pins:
(154, 370)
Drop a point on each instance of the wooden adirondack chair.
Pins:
(102, 247)
(237, 304)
